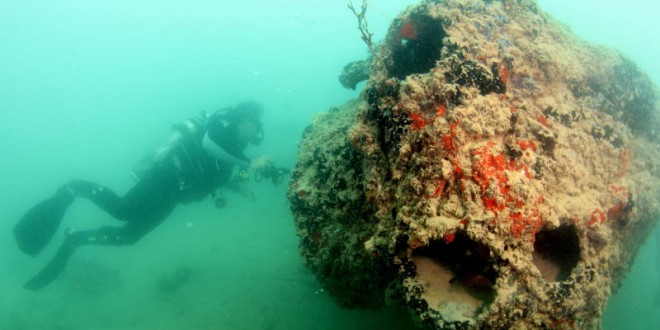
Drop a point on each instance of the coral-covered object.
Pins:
(497, 172)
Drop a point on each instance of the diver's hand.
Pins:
(261, 163)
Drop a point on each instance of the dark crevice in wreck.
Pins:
(471, 264)
(557, 252)
(416, 46)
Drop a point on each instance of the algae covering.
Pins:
(497, 172)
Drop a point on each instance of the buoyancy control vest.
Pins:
(165, 151)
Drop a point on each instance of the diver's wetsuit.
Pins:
(188, 173)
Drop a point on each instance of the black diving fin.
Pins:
(39, 224)
(53, 269)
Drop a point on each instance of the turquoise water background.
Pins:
(88, 87)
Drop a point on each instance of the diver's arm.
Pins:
(221, 154)
(261, 163)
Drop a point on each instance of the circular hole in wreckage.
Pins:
(456, 277)
(556, 252)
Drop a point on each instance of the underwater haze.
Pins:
(87, 88)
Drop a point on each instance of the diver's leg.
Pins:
(144, 208)
(37, 227)
(129, 234)
(73, 240)
(103, 197)
(143, 202)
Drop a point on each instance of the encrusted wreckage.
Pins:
(496, 173)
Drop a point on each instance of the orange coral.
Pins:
(597, 216)
(544, 121)
(504, 73)
(408, 31)
(441, 110)
(448, 238)
(417, 121)
(489, 167)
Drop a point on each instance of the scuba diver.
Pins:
(193, 163)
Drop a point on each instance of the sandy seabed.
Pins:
(235, 268)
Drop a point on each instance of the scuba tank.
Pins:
(164, 151)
